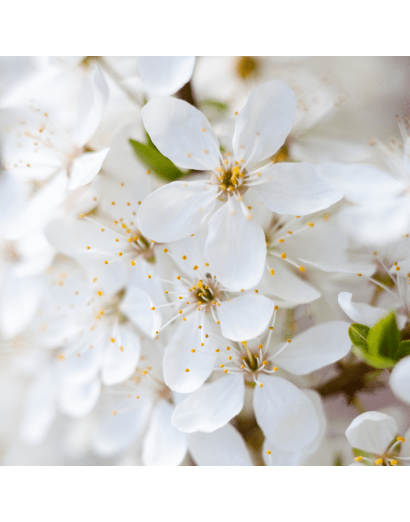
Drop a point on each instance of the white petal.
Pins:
(372, 431)
(179, 357)
(318, 346)
(286, 285)
(163, 444)
(120, 357)
(136, 305)
(40, 409)
(19, 301)
(223, 447)
(78, 401)
(245, 317)
(236, 247)
(264, 123)
(359, 183)
(163, 75)
(177, 130)
(212, 406)
(295, 188)
(86, 167)
(360, 312)
(284, 413)
(176, 210)
(92, 104)
(400, 380)
(118, 431)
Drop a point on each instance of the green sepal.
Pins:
(156, 162)
(384, 337)
(358, 335)
(404, 349)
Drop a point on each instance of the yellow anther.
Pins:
(178, 277)
(94, 280)
(256, 291)
(61, 357)
(310, 224)
(397, 268)
(165, 250)
(276, 307)
(152, 307)
(260, 346)
(275, 368)
(222, 366)
(360, 275)
(302, 268)
(180, 297)
(88, 248)
(288, 340)
(206, 264)
(106, 262)
(102, 230)
(283, 256)
(186, 370)
(180, 311)
(184, 257)
(359, 458)
(289, 232)
(265, 363)
(268, 452)
(281, 240)
(217, 350)
(203, 129)
(193, 350)
(202, 344)
(270, 327)
(122, 348)
(228, 347)
(81, 215)
(130, 240)
(378, 462)
(102, 312)
(132, 263)
(196, 267)
(272, 271)
(112, 339)
(225, 371)
(114, 412)
(297, 217)
(401, 439)
(261, 385)
(149, 277)
(242, 366)
(120, 254)
(393, 462)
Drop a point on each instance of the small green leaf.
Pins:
(215, 104)
(358, 335)
(383, 339)
(156, 162)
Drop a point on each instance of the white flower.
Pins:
(285, 413)
(43, 154)
(162, 75)
(177, 210)
(375, 433)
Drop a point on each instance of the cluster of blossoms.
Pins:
(199, 265)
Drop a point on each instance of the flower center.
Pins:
(230, 178)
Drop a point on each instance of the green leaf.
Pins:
(215, 104)
(358, 335)
(156, 162)
(383, 339)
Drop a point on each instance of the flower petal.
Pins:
(78, 401)
(163, 75)
(318, 346)
(295, 188)
(179, 356)
(223, 447)
(86, 167)
(400, 380)
(360, 312)
(285, 414)
(163, 444)
(359, 183)
(372, 431)
(245, 317)
(211, 406)
(264, 123)
(176, 210)
(181, 133)
(121, 356)
(92, 104)
(236, 247)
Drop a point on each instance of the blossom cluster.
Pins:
(202, 262)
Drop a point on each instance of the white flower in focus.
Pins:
(177, 210)
(374, 435)
(285, 413)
